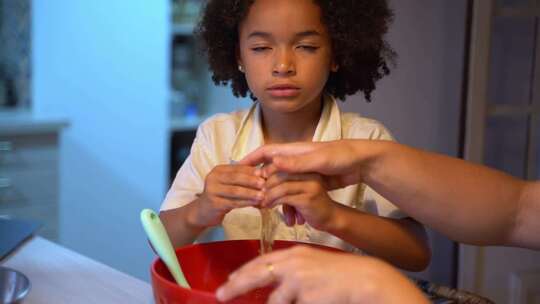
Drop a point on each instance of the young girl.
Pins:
(293, 58)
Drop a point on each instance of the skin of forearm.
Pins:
(400, 242)
(467, 202)
(179, 224)
(388, 285)
(527, 227)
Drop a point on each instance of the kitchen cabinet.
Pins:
(29, 175)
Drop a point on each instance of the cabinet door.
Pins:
(29, 179)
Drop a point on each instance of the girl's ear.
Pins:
(239, 61)
(240, 65)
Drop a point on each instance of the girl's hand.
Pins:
(227, 187)
(304, 198)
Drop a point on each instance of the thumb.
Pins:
(261, 155)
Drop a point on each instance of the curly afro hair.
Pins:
(356, 28)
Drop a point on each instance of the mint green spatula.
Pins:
(160, 240)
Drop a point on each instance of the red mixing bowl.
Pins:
(207, 266)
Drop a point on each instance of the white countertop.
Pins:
(59, 275)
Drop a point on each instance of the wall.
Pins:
(104, 66)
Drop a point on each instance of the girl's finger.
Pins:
(290, 215)
(274, 194)
(294, 201)
(226, 205)
(269, 170)
(281, 177)
(234, 168)
(299, 218)
(238, 193)
(242, 179)
(244, 203)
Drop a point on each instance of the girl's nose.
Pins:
(284, 65)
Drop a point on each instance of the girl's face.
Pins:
(285, 53)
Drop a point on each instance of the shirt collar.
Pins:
(250, 136)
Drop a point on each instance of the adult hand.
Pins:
(307, 275)
(339, 161)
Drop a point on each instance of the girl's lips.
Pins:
(284, 92)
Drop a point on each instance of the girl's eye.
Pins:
(308, 48)
(260, 49)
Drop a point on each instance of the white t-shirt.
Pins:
(226, 137)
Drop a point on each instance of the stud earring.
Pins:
(241, 68)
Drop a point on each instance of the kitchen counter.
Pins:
(59, 275)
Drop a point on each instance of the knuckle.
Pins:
(233, 178)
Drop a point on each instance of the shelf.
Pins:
(19, 123)
(183, 29)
